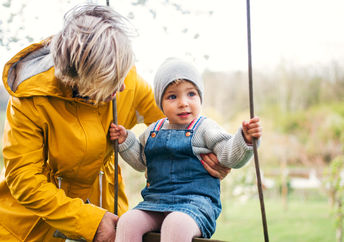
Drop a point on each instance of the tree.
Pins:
(335, 186)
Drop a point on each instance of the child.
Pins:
(181, 199)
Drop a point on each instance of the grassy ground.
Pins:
(302, 221)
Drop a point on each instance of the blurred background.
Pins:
(298, 75)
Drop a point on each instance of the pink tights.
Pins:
(174, 226)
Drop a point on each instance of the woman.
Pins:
(58, 157)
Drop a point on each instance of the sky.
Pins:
(211, 33)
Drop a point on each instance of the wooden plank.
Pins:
(155, 237)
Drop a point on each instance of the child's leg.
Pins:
(135, 223)
(178, 226)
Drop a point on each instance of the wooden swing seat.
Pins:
(155, 237)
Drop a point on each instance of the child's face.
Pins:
(181, 102)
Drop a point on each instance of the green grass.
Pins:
(302, 221)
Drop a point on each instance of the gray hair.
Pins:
(93, 51)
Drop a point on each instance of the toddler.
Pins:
(181, 199)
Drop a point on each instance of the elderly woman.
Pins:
(58, 156)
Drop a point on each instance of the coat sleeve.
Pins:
(25, 156)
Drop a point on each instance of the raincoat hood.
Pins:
(31, 73)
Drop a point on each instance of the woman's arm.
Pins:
(24, 151)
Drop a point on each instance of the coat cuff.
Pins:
(89, 221)
(128, 142)
(244, 141)
(241, 140)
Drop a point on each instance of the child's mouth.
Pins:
(184, 115)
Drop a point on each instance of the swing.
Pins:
(155, 237)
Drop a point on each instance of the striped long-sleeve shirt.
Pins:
(231, 150)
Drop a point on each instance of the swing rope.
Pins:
(115, 147)
(115, 144)
(256, 160)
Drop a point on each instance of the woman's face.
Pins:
(113, 95)
(181, 103)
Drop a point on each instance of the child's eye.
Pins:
(171, 97)
(191, 94)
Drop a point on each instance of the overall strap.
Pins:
(159, 124)
(195, 123)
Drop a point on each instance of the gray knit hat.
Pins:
(173, 69)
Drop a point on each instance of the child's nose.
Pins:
(183, 102)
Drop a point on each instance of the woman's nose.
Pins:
(121, 89)
(113, 95)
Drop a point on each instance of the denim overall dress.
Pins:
(177, 181)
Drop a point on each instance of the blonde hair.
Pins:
(93, 51)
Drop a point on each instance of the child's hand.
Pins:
(118, 132)
(251, 129)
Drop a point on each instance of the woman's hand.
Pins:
(107, 228)
(213, 166)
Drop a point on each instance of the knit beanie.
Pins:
(173, 69)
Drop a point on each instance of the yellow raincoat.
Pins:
(51, 140)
